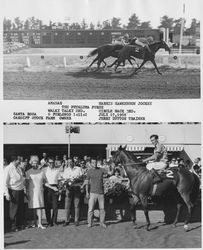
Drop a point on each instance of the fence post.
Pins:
(179, 61)
(28, 61)
(64, 62)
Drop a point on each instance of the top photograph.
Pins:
(101, 49)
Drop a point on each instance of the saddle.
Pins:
(163, 174)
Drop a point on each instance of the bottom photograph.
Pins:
(102, 185)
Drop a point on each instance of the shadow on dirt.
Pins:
(101, 74)
(105, 73)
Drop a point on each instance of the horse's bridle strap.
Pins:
(135, 163)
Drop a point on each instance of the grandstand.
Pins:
(58, 38)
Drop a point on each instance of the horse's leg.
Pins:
(104, 63)
(179, 206)
(154, 63)
(118, 64)
(142, 64)
(98, 64)
(144, 202)
(92, 63)
(133, 210)
(129, 60)
(132, 58)
(186, 198)
(112, 63)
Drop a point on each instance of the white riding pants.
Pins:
(156, 165)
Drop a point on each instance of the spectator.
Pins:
(63, 162)
(73, 193)
(187, 164)
(57, 162)
(35, 179)
(43, 161)
(173, 163)
(116, 177)
(85, 158)
(14, 193)
(88, 164)
(121, 169)
(52, 174)
(83, 167)
(181, 163)
(99, 163)
(96, 193)
(196, 167)
(5, 163)
(76, 161)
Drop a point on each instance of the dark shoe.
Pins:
(77, 223)
(66, 223)
(55, 224)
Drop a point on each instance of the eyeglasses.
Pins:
(51, 162)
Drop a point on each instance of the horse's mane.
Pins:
(131, 156)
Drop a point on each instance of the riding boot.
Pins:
(156, 177)
(148, 48)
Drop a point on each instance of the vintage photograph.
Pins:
(101, 49)
(102, 185)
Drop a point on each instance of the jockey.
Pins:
(158, 161)
(142, 42)
(125, 39)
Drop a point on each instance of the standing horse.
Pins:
(141, 53)
(185, 184)
(108, 50)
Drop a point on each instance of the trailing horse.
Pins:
(184, 186)
(141, 53)
(108, 50)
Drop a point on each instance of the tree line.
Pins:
(114, 23)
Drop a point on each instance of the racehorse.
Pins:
(141, 53)
(185, 186)
(108, 50)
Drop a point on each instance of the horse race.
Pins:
(105, 59)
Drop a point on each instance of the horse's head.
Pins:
(118, 156)
(165, 46)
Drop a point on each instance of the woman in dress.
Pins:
(35, 178)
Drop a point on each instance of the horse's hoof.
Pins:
(174, 225)
(160, 73)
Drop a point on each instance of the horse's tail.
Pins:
(93, 53)
(195, 189)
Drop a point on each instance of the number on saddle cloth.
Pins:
(166, 173)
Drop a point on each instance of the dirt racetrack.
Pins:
(74, 83)
(117, 235)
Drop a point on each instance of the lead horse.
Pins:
(141, 53)
(185, 186)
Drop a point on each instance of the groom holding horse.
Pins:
(158, 161)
